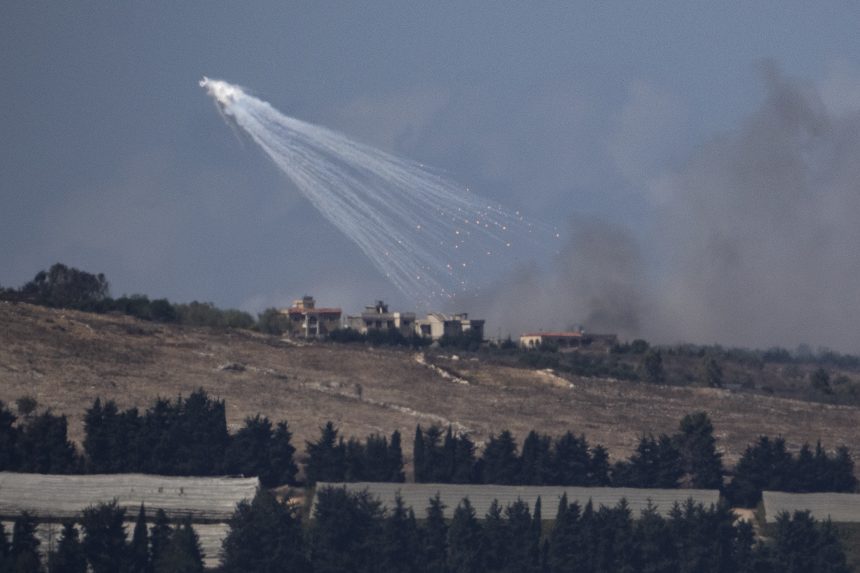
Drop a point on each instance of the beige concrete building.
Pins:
(568, 340)
(308, 321)
(376, 317)
(437, 325)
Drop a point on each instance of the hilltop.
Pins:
(66, 358)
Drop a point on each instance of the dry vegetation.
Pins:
(66, 358)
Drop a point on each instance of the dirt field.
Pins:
(65, 359)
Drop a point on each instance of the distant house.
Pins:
(437, 325)
(377, 318)
(308, 321)
(568, 340)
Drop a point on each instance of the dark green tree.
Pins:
(395, 459)
(500, 462)
(183, 553)
(66, 287)
(346, 532)
(104, 538)
(69, 556)
(325, 457)
(535, 464)
(44, 446)
(496, 539)
(464, 460)
(465, 552)
(265, 536)
(699, 457)
(651, 367)
(566, 549)
(820, 381)
(282, 456)
(249, 452)
(434, 536)
(159, 536)
(656, 547)
(272, 321)
(712, 373)
(419, 463)
(570, 461)
(400, 551)
(24, 553)
(598, 468)
(8, 439)
(139, 548)
(354, 461)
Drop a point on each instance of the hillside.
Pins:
(67, 358)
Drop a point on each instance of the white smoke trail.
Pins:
(429, 236)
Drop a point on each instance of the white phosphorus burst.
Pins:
(429, 236)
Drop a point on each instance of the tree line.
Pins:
(352, 532)
(189, 436)
(98, 543)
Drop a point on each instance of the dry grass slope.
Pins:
(65, 359)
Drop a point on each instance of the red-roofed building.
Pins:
(308, 321)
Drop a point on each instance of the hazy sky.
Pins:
(709, 148)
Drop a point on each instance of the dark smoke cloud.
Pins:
(593, 282)
(757, 241)
(761, 229)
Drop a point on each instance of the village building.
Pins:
(377, 318)
(308, 321)
(437, 325)
(569, 340)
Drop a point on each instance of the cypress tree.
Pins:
(354, 461)
(183, 553)
(282, 455)
(497, 540)
(697, 446)
(830, 557)
(435, 538)
(464, 541)
(535, 465)
(598, 468)
(418, 456)
(399, 547)
(842, 471)
(69, 556)
(346, 532)
(565, 540)
(395, 459)
(326, 457)
(796, 540)
(24, 553)
(449, 456)
(8, 439)
(656, 547)
(570, 461)
(159, 536)
(4, 548)
(464, 460)
(536, 533)
(139, 549)
(376, 462)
